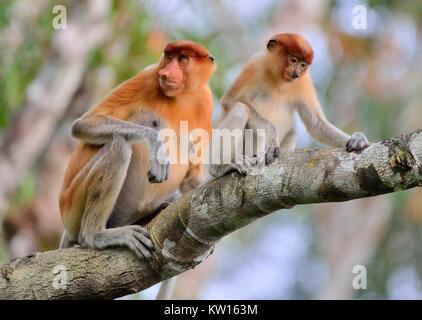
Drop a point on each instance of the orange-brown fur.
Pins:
(193, 104)
(296, 45)
(271, 87)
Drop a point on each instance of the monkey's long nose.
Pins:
(163, 75)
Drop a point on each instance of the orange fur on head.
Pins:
(296, 45)
(189, 48)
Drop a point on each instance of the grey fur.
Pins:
(103, 177)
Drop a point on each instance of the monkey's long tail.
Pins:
(65, 241)
(166, 289)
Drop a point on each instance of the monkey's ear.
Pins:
(271, 44)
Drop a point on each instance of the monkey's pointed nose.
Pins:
(295, 75)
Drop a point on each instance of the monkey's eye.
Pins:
(169, 55)
(303, 65)
(183, 59)
(211, 58)
(293, 59)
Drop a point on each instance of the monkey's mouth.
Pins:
(168, 84)
(290, 76)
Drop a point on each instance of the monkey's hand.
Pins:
(159, 160)
(243, 164)
(272, 147)
(357, 142)
(271, 150)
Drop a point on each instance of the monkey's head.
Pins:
(184, 67)
(291, 54)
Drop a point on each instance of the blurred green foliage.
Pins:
(20, 65)
(413, 8)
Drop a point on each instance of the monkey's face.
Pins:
(295, 68)
(183, 71)
(171, 76)
(291, 54)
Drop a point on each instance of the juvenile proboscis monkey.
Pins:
(270, 88)
(118, 173)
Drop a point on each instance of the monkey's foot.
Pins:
(139, 241)
(243, 164)
(134, 237)
(357, 142)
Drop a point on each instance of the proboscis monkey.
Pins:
(271, 87)
(119, 172)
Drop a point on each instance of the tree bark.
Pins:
(186, 231)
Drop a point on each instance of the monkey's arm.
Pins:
(321, 129)
(235, 118)
(99, 130)
(272, 145)
(233, 99)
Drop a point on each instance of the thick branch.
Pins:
(188, 229)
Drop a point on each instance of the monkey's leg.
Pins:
(100, 189)
(236, 118)
(289, 142)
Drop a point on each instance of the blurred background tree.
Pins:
(368, 79)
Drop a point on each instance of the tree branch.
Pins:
(187, 230)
